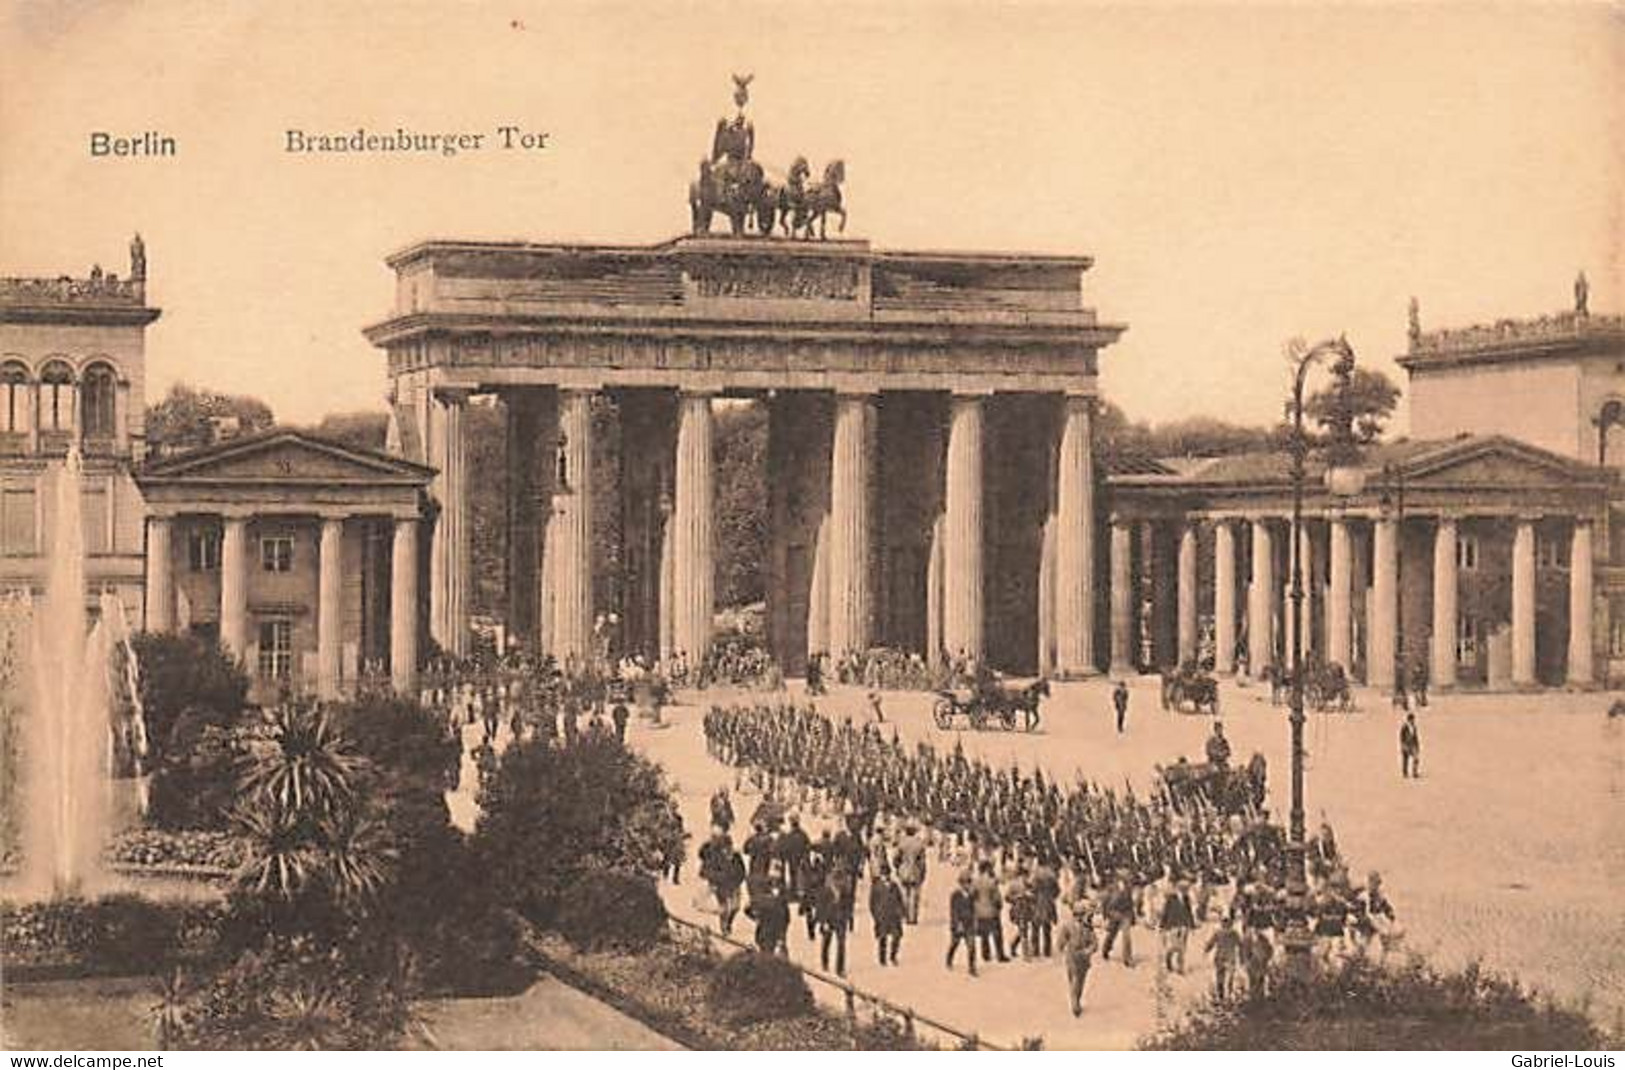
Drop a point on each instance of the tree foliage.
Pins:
(190, 418)
(552, 814)
(192, 697)
(358, 430)
(1363, 404)
(741, 504)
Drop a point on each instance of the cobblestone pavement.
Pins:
(1510, 848)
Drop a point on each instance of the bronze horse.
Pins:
(803, 207)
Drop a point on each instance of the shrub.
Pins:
(129, 934)
(292, 996)
(752, 987)
(1362, 1006)
(118, 934)
(192, 697)
(550, 814)
(611, 909)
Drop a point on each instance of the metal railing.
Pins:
(852, 997)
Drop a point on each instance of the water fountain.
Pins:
(70, 746)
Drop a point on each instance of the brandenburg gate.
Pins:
(930, 469)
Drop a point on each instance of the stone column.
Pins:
(1580, 672)
(962, 530)
(1523, 603)
(1075, 541)
(160, 575)
(329, 601)
(571, 634)
(1122, 596)
(668, 581)
(1442, 672)
(934, 643)
(1187, 594)
(1046, 599)
(850, 533)
(1339, 597)
(1261, 600)
(403, 607)
(1384, 603)
(234, 586)
(693, 579)
(1311, 583)
(1224, 596)
(452, 561)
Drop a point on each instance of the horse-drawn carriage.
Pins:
(991, 705)
(1190, 685)
(1325, 686)
(1194, 786)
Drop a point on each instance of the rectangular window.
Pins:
(17, 522)
(276, 553)
(1467, 552)
(276, 649)
(95, 519)
(1467, 640)
(203, 550)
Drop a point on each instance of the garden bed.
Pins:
(666, 988)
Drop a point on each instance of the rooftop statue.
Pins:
(732, 182)
(1582, 295)
(138, 258)
(1415, 323)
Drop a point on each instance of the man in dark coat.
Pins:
(1120, 704)
(1410, 748)
(771, 910)
(962, 922)
(886, 908)
(723, 869)
(833, 917)
(792, 850)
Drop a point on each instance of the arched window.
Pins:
(97, 393)
(56, 397)
(14, 396)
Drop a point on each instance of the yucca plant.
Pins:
(301, 764)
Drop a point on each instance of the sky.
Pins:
(1242, 174)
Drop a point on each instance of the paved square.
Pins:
(1510, 848)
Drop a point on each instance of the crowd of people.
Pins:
(1040, 862)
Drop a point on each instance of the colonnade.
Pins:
(832, 575)
(1362, 553)
(236, 566)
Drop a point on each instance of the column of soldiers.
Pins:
(1028, 851)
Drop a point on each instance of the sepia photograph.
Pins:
(909, 525)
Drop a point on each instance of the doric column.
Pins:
(1523, 603)
(234, 586)
(452, 564)
(1300, 629)
(934, 643)
(1224, 596)
(850, 536)
(693, 579)
(329, 599)
(962, 530)
(1046, 598)
(1443, 669)
(160, 575)
(1261, 600)
(1187, 594)
(1384, 603)
(1122, 596)
(1339, 597)
(1580, 672)
(668, 581)
(1075, 540)
(403, 607)
(571, 635)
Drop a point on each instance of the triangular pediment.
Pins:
(285, 457)
(1497, 461)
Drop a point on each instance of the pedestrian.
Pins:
(989, 909)
(1120, 704)
(1119, 910)
(1256, 954)
(962, 921)
(833, 919)
(792, 850)
(722, 810)
(886, 908)
(875, 707)
(1077, 943)
(1045, 888)
(911, 867)
(1218, 748)
(1225, 947)
(620, 715)
(1176, 923)
(770, 907)
(758, 848)
(1410, 748)
(723, 869)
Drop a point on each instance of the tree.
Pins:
(1362, 404)
(741, 504)
(190, 418)
(358, 430)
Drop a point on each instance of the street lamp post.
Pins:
(1393, 481)
(1297, 939)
